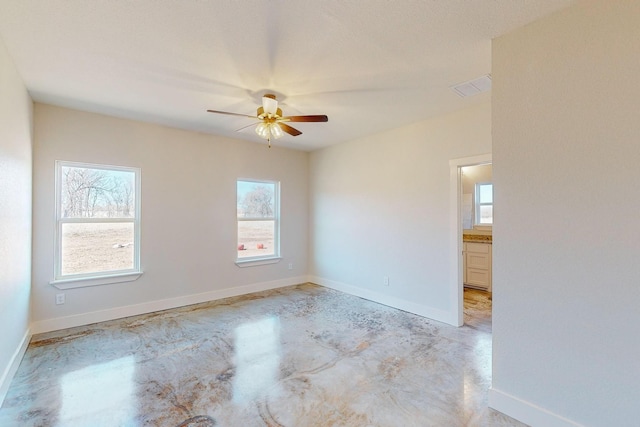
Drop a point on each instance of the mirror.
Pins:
(477, 204)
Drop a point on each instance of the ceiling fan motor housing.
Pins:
(262, 115)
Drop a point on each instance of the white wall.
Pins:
(188, 232)
(380, 207)
(566, 128)
(16, 118)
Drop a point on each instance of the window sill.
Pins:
(95, 281)
(255, 262)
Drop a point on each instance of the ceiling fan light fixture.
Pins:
(271, 123)
(269, 130)
(276, 130)
(263, 130)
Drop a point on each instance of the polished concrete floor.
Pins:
(297, 356)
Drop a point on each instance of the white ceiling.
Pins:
(369, 65)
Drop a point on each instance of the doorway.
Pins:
(457, 210)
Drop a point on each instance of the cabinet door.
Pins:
(476, 260)
(479, 278)
(477, 265)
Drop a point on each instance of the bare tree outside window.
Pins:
(258, 203)
(97, 193)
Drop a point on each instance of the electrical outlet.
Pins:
(385, 280)
(59, 299)
(290, 266)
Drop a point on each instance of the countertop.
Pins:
(480, 238)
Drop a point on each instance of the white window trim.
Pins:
(101, 278)
(252, 262)
(477, 204)
(96, 281)
(271, 258)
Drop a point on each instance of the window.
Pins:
(98, 223)
(484, 204)
(258, 220)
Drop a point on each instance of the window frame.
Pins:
(261, 259)
(478, 204)
(68, 281)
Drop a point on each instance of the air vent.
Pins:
(473, 87)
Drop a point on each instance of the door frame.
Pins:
(455, 255)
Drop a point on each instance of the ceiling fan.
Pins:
(272, 124)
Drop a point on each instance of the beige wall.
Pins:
(188, 228)
(380, 207)
(16, 110)
(471, 175)
(566, 275)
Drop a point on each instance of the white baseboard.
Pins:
(401, 304)
(12, 367)
(526, 412)
(55, 324)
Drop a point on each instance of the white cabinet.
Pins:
(477, 265)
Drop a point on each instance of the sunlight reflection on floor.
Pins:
(257, 358)
(106, 387)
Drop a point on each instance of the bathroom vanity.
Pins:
(477, 261)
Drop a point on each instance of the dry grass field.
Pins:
(97, 247)
(109, 246)
(91, 248)
(253, 233)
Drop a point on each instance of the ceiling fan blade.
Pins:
(231, 114)
(288, 129)
(316, 118)
(247, 126)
